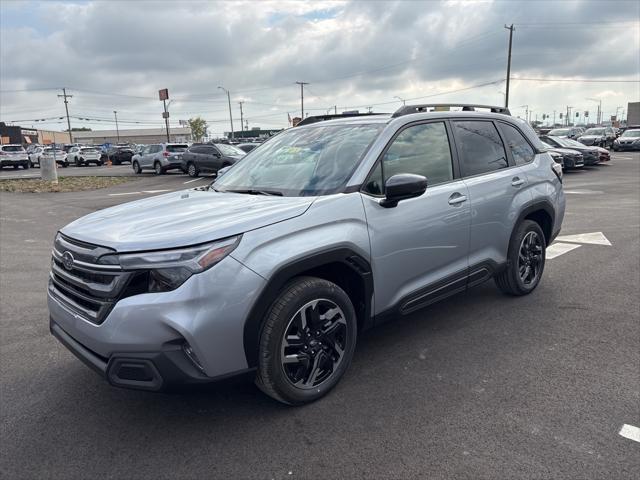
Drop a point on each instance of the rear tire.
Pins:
(25, 166)
(307, 341)
(158, 168)
(525, 261)
(136, 168)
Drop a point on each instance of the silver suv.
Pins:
(160, 157)
(322, 232)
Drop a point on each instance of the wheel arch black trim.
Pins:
(539, 205)
(344, 256)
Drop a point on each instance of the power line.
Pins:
(578, 80)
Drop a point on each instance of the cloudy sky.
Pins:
(115, 55)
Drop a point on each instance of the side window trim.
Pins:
(452, 151)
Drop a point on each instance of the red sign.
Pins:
(164, 94)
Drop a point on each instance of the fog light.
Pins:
(191, 355)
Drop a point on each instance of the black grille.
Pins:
(90, 286)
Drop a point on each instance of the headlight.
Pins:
(168, 269)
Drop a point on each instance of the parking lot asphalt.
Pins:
(478, 386)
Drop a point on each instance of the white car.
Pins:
(35, 155)
(13, 156)
(59, 155)
(80, 156)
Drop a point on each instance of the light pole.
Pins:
(598, 119)
(115, 114)
(230, 115)
(402, 100)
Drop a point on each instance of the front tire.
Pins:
(307, 341)
(525, 262)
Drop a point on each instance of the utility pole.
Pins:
(335, 109)
(568, 117)
(230, 115)
(554, 119)
(506, 95)
(302, 84)
(241, 116)
(404, 103)
(115, 114)
(66, 108)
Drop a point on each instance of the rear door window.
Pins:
(520, 149)
(480, 147)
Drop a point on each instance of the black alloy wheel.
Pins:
(314, 343)
(530, 258)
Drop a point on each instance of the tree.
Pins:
(198, 128)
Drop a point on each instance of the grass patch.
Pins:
(65, 184)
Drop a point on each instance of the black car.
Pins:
(629, 140)
(598, 137)
(569, 158)
(118, 155)
(590, 155)
(209, 158)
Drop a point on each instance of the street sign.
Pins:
(164, 94)
(165, 114)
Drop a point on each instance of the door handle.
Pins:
(517, 181)
(457, 199)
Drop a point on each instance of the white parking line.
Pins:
(124, 193)
(558, 249)
(155, 191)
(194, 180)
(584, 192)
(630, 432)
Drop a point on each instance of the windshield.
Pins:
(230, 150)
(89, 150)
(560, 132)
(546, 145)
(631, 133)
(595, 131)
(302, 161)
(52, 150)
(177, 148)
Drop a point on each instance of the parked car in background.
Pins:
(629, 140)
(35, 154)
(58, 154)
(69, 146)
(14, 155)
(81, 156)
(247, 147)
(570, 158)
(209, 158)
(590, 155)
(569, 132)
(159, 157)
(598, 137)
(118, 154)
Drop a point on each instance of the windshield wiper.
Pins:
(275, 193)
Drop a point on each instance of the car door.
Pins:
(148, 155)
(419, 247)
(497, 191)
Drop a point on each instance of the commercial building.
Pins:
(28, 136)
(141, 135)
(253, 133)
(633, 113)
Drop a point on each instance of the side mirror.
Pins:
(403, 186)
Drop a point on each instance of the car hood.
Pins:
(182, 218)
(565, 151)
(591, 137)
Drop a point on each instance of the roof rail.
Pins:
(466, 107)
(332, 116)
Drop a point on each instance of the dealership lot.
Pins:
(478, 386)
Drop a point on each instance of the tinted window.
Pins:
(423, 150)
(177, 148)
(520, 149)
(13, 148)
(374, 183)
(480, 147)
(196, 150)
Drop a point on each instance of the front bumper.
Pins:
(147, 332)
